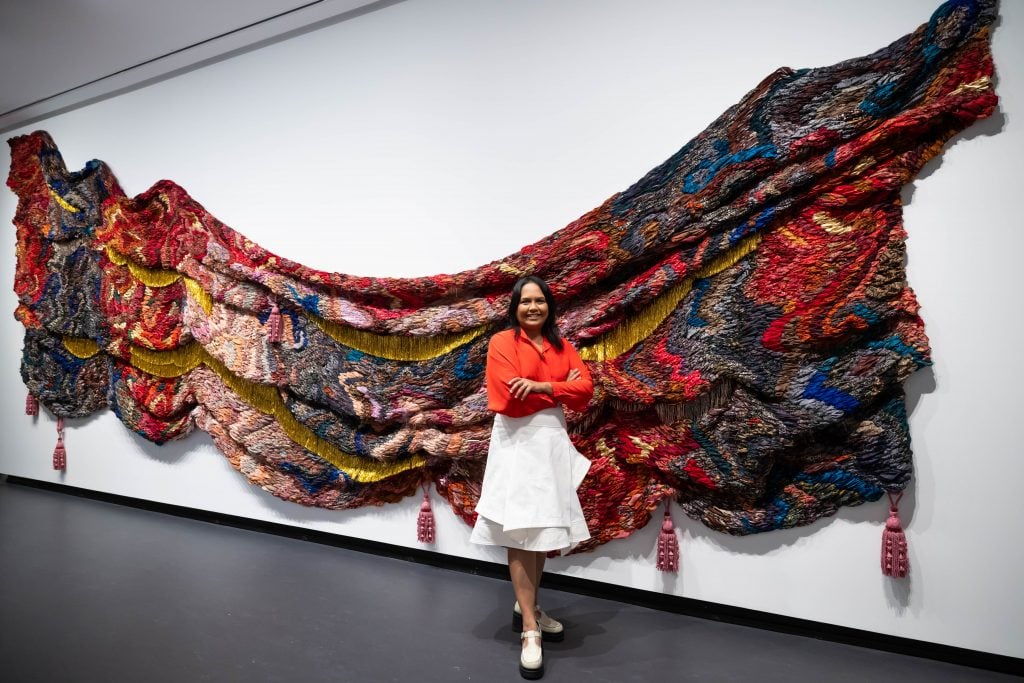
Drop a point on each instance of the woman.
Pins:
(528, 502)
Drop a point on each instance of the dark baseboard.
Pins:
(635, 596)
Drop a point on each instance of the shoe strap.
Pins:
(529, 634)
(519, 610)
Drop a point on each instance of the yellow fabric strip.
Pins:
(153, 277)
(199, 294)
(643, 324)
(395, 347)
(169, 363)
(63, 202)
(81, 347)
(268, 401)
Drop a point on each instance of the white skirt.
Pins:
(528, 499)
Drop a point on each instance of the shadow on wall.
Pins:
(989, 127)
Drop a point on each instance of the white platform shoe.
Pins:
(551, 629)
(531, 660)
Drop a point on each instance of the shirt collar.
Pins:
(545, 344)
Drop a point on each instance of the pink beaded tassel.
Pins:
(425, 521)
(895, 561)
(60, 456)
(31, 404)
(275, 325)
(668, 544)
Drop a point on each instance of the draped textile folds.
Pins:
(743, 309)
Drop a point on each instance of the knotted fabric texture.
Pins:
(743, 309)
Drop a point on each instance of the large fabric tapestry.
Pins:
(743, 309)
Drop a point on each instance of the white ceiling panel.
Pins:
(56, 54)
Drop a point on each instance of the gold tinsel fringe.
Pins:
(81, 347)
(153, 277)
(396, 347)
(169, 363)
(268, 401)
(197, 292)
(392, 347)
(643, 324)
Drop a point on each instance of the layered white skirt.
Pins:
(528, 500)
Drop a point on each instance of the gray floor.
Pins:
(94, 591)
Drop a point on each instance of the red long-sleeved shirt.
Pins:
(508, 357)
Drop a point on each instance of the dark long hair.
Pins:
(550, 328)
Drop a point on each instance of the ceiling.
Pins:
(59, 54)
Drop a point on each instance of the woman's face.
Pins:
(533, 309)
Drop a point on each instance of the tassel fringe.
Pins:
(669, 413)
(895, 561)
(60, 456)
(668, 543)
(31, 404)
(425, 521)
(715, 397)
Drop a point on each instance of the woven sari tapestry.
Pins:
(743, 309)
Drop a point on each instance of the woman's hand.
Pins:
(522, 387)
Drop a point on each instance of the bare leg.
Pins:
(522, 566)
(538, 574)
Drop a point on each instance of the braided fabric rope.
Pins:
(743, 309)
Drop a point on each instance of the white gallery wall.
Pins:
(435, 136)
